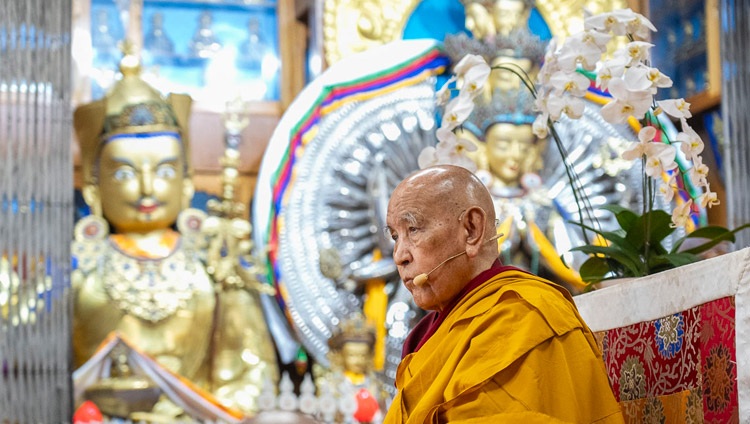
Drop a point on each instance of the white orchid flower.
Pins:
(427, 157)
(444, 94)
(691, 143)
(614, 21)
(659, 158)
(455, 147)
(681, 214)
(569, 105)
(475, 78)
(457, 110)
(676, 108)
(592, 38)
(550, 65)
(453, 152)
(641, 77)
(540, 103)
(445, 134)
(666, 189)
(467, 63)
(645, 136)
(626, 103)
(699, 172)
(607, 70)
(637, 151)
(539, 127)
(634, 52)
(575, 52)
(708, 199)
(574, 83)
(640, 26)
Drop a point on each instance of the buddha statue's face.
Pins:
(356, 356)
(502, 79)
(141, 182)
(509, 15)
(511, 149)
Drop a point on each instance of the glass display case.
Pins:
(686, 48)
(214, 50)
(208, 49)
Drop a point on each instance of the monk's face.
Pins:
(423, 221)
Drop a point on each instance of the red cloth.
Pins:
(427, 326)
(679, 368)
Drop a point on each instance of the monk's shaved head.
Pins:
(438, 214)
(449, 188)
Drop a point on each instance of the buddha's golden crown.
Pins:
(131, 106)
(353, 329)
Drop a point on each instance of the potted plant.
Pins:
(637, 247)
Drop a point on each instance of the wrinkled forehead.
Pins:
(416, 201)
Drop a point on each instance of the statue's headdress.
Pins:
(514, 106)
(132, 106)
(490, 3)
(353, 329)
(520, 44)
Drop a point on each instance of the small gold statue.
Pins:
(351, 379)
(153, 284)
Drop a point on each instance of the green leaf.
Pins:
(594, 269)
(658, 229)
(616, 237)
(625, 217)
(658, 262)
(660, 225)
(634, 266)
(674, 259)
(713, 242)
(710, 232)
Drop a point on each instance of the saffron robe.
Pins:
(514, 348)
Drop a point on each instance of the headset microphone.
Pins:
(421, 279)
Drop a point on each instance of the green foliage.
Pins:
(636, 249)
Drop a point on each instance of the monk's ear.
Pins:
(473, 223)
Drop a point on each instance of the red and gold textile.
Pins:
(682, 366)
(670, 342)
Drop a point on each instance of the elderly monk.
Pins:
(501, 344)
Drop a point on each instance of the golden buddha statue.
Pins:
(489, 18)
(153, 285)
(352, 373)
(509, 155)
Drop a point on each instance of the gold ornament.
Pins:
(147, 281)
(352, 26)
